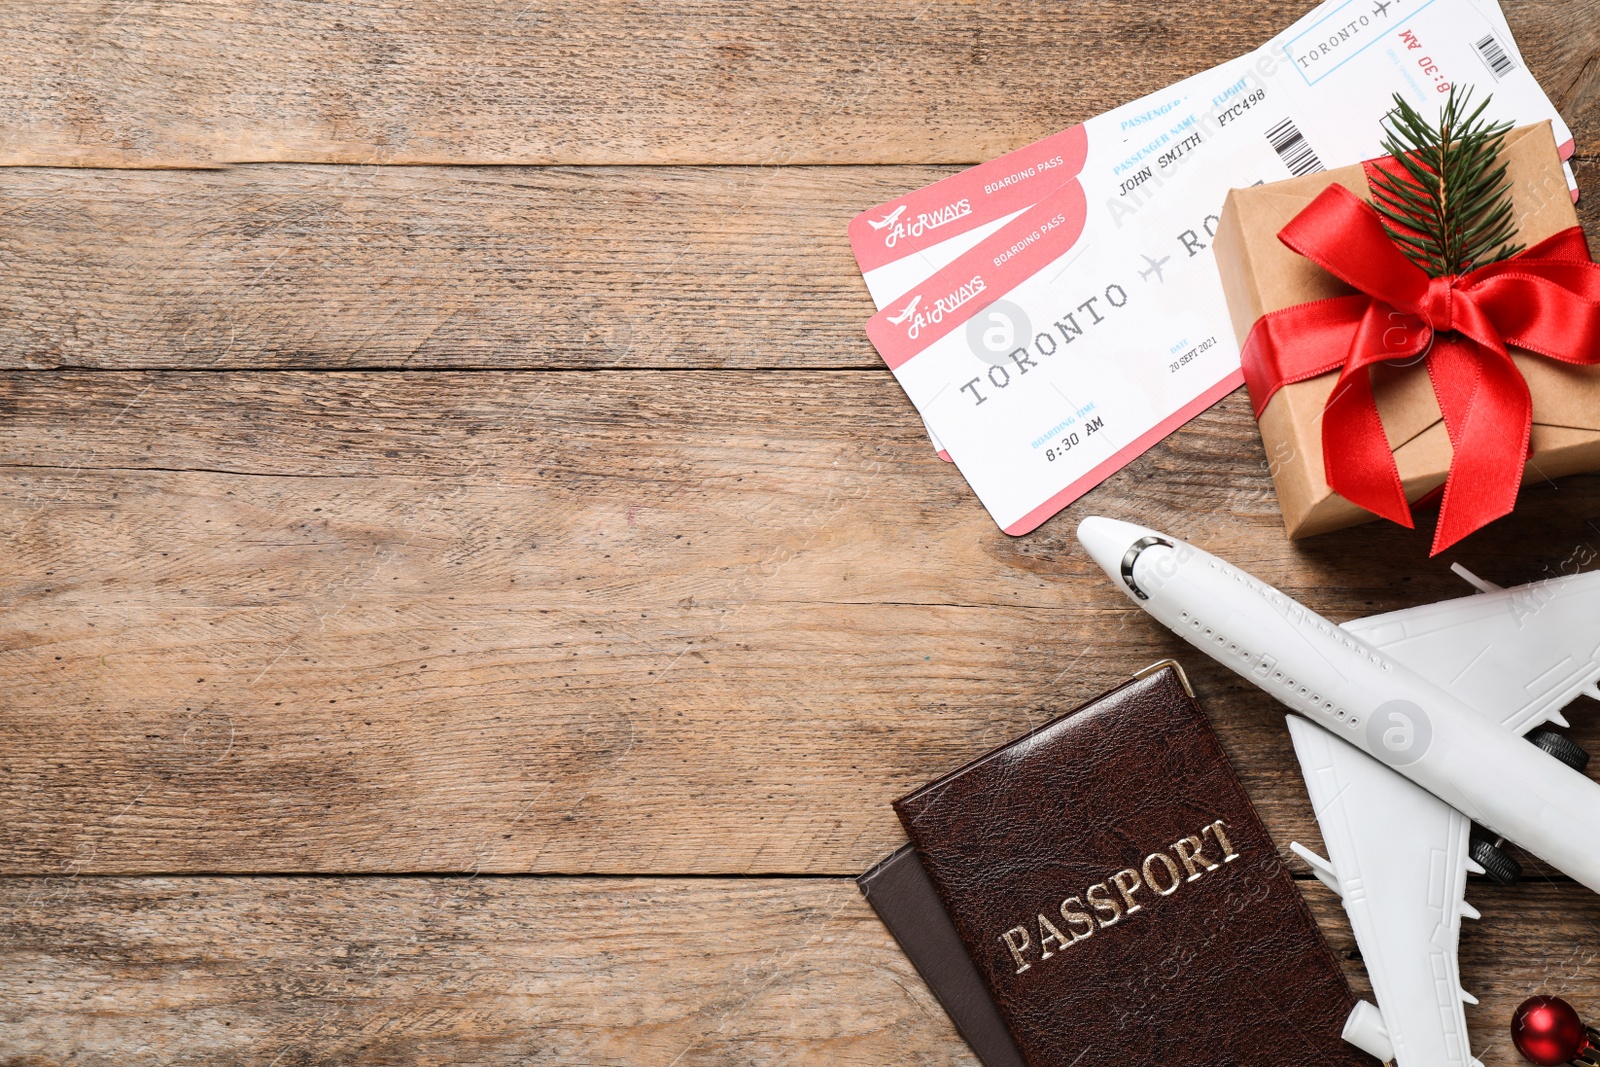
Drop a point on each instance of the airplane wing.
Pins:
(1517, 655)
(1397, 857)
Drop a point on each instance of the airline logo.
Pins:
(910, 309)
(914, 318)
(893, 229)
(889, 220)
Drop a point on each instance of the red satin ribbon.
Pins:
(1546, 300)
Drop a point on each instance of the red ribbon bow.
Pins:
(1546, 300)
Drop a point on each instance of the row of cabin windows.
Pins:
(1266, 664)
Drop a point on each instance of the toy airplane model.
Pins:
(1410, 728)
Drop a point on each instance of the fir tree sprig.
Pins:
(1451, 211)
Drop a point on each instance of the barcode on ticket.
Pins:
(1293, 148)
(1494, 57)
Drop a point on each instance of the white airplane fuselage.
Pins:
(1355, 692)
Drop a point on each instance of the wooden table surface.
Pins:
(471, 590)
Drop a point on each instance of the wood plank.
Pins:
(616, 81)
(293, 266)
(288, 266)
(435, 971)
(600, 622)
(700, 973)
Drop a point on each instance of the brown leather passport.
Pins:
(899, 891)
(1121, 899)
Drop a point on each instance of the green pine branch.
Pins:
(1451, 210)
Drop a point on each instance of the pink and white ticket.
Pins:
(900, 243)
(1056, 351)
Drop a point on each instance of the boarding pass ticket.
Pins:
(902, 242)
(1330, 119)
(1076, 335)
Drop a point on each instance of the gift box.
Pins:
(1261, 275)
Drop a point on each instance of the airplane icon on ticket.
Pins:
(888, 220)
(1155, 268)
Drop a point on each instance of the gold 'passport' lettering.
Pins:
(1159, 873)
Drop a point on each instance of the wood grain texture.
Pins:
(603, 82)
(590, 622)
(319, 267)
(547, 972)
(614, 81)
(294, 266)
(429, 971)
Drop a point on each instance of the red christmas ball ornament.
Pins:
(1548, 1032)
